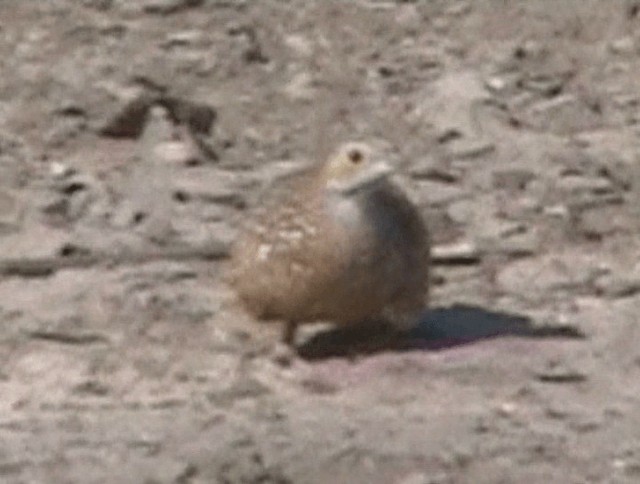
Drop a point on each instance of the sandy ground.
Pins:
(133, 134)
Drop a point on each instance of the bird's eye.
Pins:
(355, 156)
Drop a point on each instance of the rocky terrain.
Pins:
(134, 134)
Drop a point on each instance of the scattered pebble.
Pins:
(597, 223)
(625, 45)
(515, 179)
(127, 118)
(574, 184)
(564, 114)
(496, 84)
(560, 373)
(469, 149)
(507, 409)
(166, 7)
(458, 253)
(619, 286)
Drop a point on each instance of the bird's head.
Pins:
(354, 167)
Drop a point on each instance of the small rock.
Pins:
(576, 184)
(496, 84)
(124, 216)
(557, 211)
(165, 7)
(557, 372)
(624, 45)
(599, 222)
(587, 201)
(177, 152)
(76, 195)
(129, 116)
(448, 134)
(585, 424)
(435, 193)
(619, 464)
(465, 149)
(548, 86)
(182, 38)
(530, 49)
(101, 5)
(199, 117)
(319, 386)
(147, 192)
(60, 170)
(91, 387)
(436, 174)
(507, 409)
(561, 377)
(254, 52)
(563, 115)
(556, 413)
(186, 475)
(458, 253)
(79, 204)
(619, 286)
(512, 179)
(158, 128)
(239, 390)
(209, 186)
(55, 209)
(166, 143)
(619, 173)
(70, 338)
(521, 245)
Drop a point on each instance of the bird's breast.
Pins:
(346, 212)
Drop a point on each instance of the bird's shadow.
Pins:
(438, 330)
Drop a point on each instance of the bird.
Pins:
(338, 242)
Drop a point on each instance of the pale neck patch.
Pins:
(345, 210)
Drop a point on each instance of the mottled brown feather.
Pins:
(307, 253)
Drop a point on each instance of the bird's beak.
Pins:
(375, 173)
(380, 170)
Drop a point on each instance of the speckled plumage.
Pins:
(338, 242)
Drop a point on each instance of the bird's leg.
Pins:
(289, 333)
(284, 350)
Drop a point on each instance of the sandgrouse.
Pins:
(337, 242)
